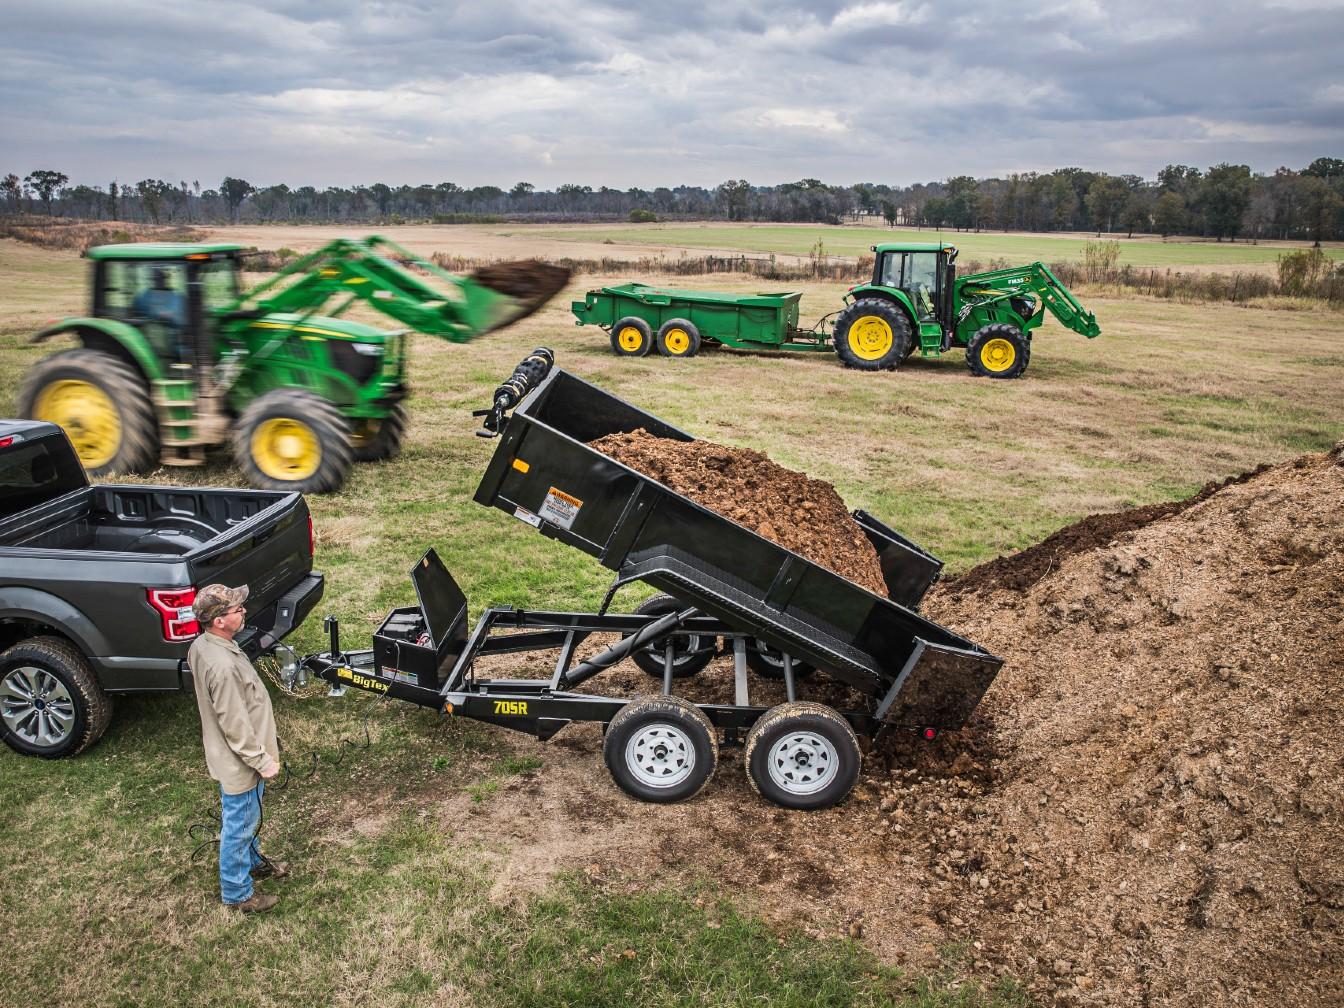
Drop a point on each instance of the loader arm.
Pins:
(429, 299)
(999, 285)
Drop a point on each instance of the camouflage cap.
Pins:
(215, 600)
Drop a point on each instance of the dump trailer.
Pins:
(727, 591)
(176, 358)
(915, 303)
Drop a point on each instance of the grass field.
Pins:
(444, 865)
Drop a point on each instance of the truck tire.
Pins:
(690, 652)
(631, 337)
(998, 350)
(660, 749)
(678, 338)
(289, 439)
(372, 440)
(802, 755)
(872, 334)
(769, 662)
(51, 706)
(102, 404)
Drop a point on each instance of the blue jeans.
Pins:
(240, 816)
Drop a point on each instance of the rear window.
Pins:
(35, 471)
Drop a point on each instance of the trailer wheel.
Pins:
(769, 662)
(101, 403)
(998, 350)
(372, 440)
(289, 439)
(803, 756)
(50, 703)
(631, 337)
(660, 749)
(690, 652)
(678, 338)
(872, 334)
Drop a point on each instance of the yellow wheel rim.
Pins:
(630, 339)
(88, 416)
(998, 354)
(870, 337)
(286, 449)
(677, 341)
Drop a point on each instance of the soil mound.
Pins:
(801, 514)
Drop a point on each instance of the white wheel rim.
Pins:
(685, 648)
(37, 707)
(802, 763)
(660, 756)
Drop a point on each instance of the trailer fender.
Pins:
(31, 604)
(116, 338)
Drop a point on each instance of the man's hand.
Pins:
(270, 771)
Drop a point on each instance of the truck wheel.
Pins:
(769, 662)
(101, 403)
(803, 756)
(660, 749)
(289, 439)
(690, 652)
(50, 703)
(678, 338)
(872, 334)
(631, 337)
(998, 350)
(372, 440)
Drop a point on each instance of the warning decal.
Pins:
(559, 508)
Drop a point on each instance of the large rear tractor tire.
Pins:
(631, 337)
(872, 335)
(803, 756)
(289, 439)
(660, 749)
(51, 705)
(102, 404)
(998, 350)
(373, 440)
(678, 338)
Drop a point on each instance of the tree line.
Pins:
(1225, 202)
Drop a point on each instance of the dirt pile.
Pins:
(801, 514)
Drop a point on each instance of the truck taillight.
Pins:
(174, 608)
(5, 442)
(312, 546)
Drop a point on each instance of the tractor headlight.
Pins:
(369, 349)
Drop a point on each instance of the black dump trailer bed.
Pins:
(728, 591)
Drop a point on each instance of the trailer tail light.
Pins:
(930, 734)
(174, 608)
(312, 543)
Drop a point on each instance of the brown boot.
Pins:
(256, 903)
(270, 869)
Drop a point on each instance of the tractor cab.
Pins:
(924, 273)
(171, 293)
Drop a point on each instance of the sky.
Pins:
(646, 94)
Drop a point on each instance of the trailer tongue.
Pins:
(729, 591)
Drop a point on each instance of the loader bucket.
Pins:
(528, 284)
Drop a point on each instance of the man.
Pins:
(241, 750)
(160, 302)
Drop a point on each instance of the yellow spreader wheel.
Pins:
(89, 417)
(998, 355)
(286, 449)
(870, 337)
(630, 339)
(677, 342)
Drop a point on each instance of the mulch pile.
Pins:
(801, 514)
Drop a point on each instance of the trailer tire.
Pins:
(767, 661)
(660, 749)
(872, 334)
(289, 439)
(72, 692)
(631, 337)
(689, 653)
(102, 404)
(372, 440)
(678, 338)
(802, 755)
(998, 350)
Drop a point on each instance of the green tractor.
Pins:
(916, 301)
(176, 358)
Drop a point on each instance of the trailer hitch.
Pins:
(526, 376)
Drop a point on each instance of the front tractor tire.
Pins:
(998, 350)
(873, 335)
(102, 404)
(631, 337)
(372, 440)
(289, 439)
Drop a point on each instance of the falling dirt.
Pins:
(801, 514)
(531, 281)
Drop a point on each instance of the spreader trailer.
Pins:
(728, 592)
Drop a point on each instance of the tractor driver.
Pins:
(160, 303)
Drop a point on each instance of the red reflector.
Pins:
(930, 733)
(5, 442)
(311, 541)
(174, 608)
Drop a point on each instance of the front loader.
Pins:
(176, 359)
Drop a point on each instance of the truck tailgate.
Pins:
(269, 552)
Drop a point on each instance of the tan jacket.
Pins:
(237, 724)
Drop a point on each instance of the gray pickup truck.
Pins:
(97, 582)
